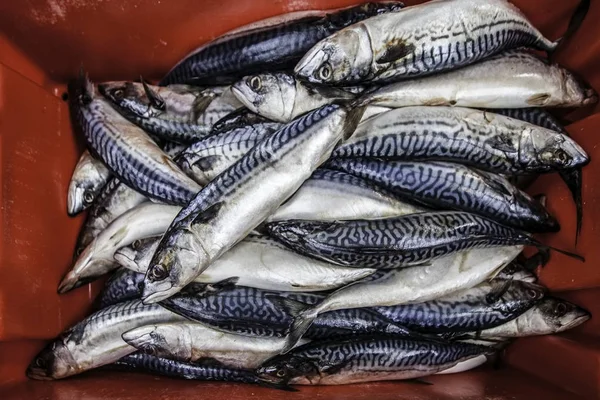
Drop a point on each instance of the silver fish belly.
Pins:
(243, 196)
(89, 177)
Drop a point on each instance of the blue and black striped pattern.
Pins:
(177, 131)
(394, 242)
(123, 285)
(453, 186)
(534, 115)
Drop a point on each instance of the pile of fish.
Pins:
(323, 198)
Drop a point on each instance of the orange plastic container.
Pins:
(42, 45)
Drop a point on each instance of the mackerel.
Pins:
(129, 153)
(123, 285)
(513, 79)
(272, 44)
(148, 219)
(89, 177)
(365, 359)
(516, 271)
(453, 186)
(96, 340)
(419, 40)
(243, 196)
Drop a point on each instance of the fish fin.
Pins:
(419, 381)
(225, 284)
(541, 198)
(574, 23)
(207, 214)
(395, 51)
(502, 143)
(303, 315)
(539, 259)
(200, 104)
(542, 246)
(538, 100)
(155, 100)
(494, 296)
(334, 369)
(352, 119)
(573, 180)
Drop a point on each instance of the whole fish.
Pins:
(148, 219)
(403, 286)
(478, 138)
(365, 359)
(192, 342)
(123, 285)
(551, 315)
(333, 195)
(513, 79)
(275, 43)
(129, 153)
(209, 371)
(206, 159)
(484, 306)
(114, 199)
(89, 177)
(419, 40)
(253, 311)
(96, 340)
(243, 196)
(260, 262)
(453, 186)
(395, 242)
(281, 97)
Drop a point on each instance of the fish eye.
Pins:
(158, 273)
(88, 197)
(40, 362)
(562, 156)
(281, 373)
(118, 94)
(532, 293)
(560, 309)
(255, 83)
(136, 244)
(78, 251)
(325, 71)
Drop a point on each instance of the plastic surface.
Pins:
(43, 43)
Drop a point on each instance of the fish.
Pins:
(512, 79)
(365, 359)
(484, 306)
(207, 371)
(123, 285)
(252, 311)
(238, 118)
(444, 185)
(418, 284)
(207, 158)
(272, 44)
(128, 152)
(191, 342)
(96, 340)
(114, 199)
(147, 219)
(481, 139)
(404, 241)
(243, 196)
(89, 177)
(260, 262)
(332, 195)
(467, 365)
(419, 40)
(551, 315)
(279, 96)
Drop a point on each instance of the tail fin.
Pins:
(304, 315)
(573, 180)
(574, 23)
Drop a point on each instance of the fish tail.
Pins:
(352, 119)
(573, 180)
(542, 246)
(303, 314)
(574, 23)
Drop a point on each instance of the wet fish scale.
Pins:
(123, 285)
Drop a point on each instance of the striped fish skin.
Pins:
(330, 195)
(123, 285)
(243, 196)
(253, 311)
(279, 96)
(453, 186)
(551, 315)
(96, 340)
(484, 306)
(512, 79)
(127, 150)
(418, 284)
(89, 177)
(114, 199)
(145, 220)
(269, 45)
(394, 242)
(206, 159)
(419, 40)
(365, 359)
(482, 139)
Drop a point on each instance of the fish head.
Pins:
(55, 361)
(517, 272)
(560, 315)
(344, 57)
(287, 369)
(577, 90)
(511, 296)
(166, 340)
(268, 94)
(130, 97)
(557, 151)
(80, 197)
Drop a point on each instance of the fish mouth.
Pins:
(582, 317)
(307, 66)
(140, 338)
(39, 374)
(154, 295)
(127, 260)
(74, 204)
(69, 282)
(243, 95)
